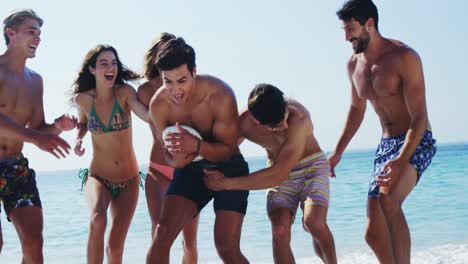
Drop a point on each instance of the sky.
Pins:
(298, 46)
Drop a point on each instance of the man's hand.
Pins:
(66, 122)
(334, 159)
(51, 143)
(215, 180)
(392, 171)
(180, 142)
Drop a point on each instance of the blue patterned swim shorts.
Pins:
(389, 149)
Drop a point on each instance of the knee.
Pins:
(32, 243)
(317, 228)
(154, 225)
(281, 232)
(164, 236)
(227, 247)
(372, 235)
(190, 247)
(34, 240)
(114, 249)
(390, 206)
(98, 221)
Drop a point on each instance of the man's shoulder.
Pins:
(407, 53)
(300, 109)
(403, 57)
(299, 114)
(245, 118)
(3, 72)
(351, 64)
(33, 74)
(215, 91)
(36, 80)
(214, 84)
(400, 50)
(247, 124)
(3, 67)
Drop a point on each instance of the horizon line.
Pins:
(446, 144)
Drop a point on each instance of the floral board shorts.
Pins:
(17, 184)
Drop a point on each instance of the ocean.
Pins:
(437, 213)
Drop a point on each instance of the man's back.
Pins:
(273, 140)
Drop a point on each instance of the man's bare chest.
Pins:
(200, 119)
(18, 100)
(376, 80)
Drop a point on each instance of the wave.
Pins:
(445, 254)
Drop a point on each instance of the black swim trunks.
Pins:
(17, 184)
(188, 182)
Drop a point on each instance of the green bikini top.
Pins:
(118, 120)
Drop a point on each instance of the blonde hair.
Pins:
(16, 18)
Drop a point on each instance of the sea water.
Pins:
(437, 213)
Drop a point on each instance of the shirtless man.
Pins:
(389, 74)
(159, 174)
(22, 120)
(208, 105)
(298, 172)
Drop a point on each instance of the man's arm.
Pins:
(38, 120)
(244, 126)
(63, 123)
(10, 128)
(49, 142)
(290, 153)
(414, 95)
(353, 121)
(225, 128)
(82, 124)
(355, 115)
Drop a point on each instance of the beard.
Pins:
(362, 42)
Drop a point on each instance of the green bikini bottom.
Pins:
(115, 188)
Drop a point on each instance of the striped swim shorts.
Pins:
(308, 183)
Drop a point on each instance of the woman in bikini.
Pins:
(159, 173)
(104, 102)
